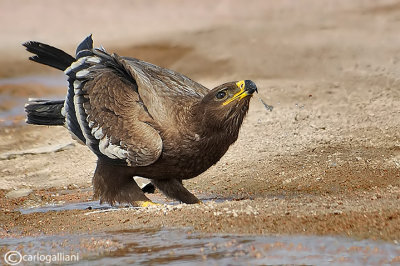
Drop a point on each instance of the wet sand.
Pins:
(325, 161)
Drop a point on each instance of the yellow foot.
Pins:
(146, 204)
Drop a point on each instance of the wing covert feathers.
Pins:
(108, 110)
(161, 90)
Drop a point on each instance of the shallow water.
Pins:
(95, 205)
(182, 247)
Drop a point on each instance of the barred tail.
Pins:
(45, 112)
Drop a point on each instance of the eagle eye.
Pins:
(220, 95)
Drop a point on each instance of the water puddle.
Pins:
(183, 247)
(88, 205)
(95, 205)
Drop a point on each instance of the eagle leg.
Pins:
(115, 184)
(174, 188)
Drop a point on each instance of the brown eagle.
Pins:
(140, 120)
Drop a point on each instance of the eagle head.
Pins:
(225, 106)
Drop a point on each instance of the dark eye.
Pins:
(220, 94)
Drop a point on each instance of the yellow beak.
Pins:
(239, 95)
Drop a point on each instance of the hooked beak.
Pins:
(247, 88)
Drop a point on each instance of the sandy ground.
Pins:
(325, 161)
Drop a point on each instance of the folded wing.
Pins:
(108, 113)
(164, 92)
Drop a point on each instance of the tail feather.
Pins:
(50, 112)
(45, 112)
(49, 55)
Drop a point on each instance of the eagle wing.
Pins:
(105, 110)
(162, 90)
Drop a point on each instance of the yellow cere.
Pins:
(241, 94)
